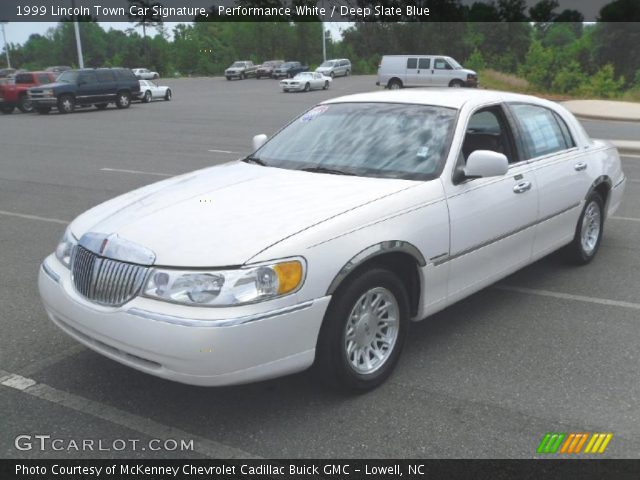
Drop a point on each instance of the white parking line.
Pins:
(569, 296)
(139, 172)
(33, 217)
(222, 151)
(628, 219)
(145, 426)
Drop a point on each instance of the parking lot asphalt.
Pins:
(552, 348)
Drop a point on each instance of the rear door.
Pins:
(106, 85)
(561, 172)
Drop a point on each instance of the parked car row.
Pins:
(279, 68)
(43, 91)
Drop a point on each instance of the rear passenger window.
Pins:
(87, 77)
(424, 63)
(542, 134)
(412, 63)
(105, 76)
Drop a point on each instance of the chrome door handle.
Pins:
(580, 166)
(522, 187)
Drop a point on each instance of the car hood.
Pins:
(51, 85)
(225, 215)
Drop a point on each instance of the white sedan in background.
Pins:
(151, 91)
(145, 74)
(365, 213)
(306, 81)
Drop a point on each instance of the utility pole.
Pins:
(6, 45)
(77, 32)
(324, 43)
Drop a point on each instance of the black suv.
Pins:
(89, 86)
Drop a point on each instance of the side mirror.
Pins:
(258, 141)
(485, 163)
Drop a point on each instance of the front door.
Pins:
(441, 72)
(492, 220)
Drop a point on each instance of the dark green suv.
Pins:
(86, 87)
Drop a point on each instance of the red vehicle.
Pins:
(14, 94)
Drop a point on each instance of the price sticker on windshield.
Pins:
(313, 113)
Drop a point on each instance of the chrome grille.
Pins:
(103, 280)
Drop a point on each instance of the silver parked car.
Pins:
(398, 71)
(335, 68)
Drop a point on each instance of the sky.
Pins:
(19, 32)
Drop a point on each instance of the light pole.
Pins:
(77, 32)
(6, 45)
(324, 44)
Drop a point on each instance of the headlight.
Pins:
(223, 288)
(65, 247)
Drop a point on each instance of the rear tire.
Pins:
(363, 331)
(586, 242)
(24, 104)
(66, 104)
(147, 97)
(123, 100)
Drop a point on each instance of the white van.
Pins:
(398, 71)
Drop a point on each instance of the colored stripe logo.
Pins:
(569, 443)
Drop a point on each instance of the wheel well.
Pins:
(456, 80)
(394, 80)
(403, 265)
(603, 188)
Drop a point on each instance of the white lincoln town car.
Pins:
(362, 215)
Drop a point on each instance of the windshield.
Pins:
(237, 64)
(327, 64)
(367, 139)
(454, 64)
(67, 77)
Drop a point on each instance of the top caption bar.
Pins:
(322, 10)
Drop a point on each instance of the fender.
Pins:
(597, 183)
(372, 252)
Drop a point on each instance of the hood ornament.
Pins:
(116, 248)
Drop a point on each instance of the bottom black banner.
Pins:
(319, 469)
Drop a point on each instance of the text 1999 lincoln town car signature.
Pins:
(363, 214)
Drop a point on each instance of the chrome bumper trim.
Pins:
(229, 322)
(50, 273)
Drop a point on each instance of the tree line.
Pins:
(554, 51)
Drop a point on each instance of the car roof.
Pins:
(445, 97)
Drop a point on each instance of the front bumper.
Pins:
(44, 101)
(223, 350)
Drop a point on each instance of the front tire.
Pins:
(588, 236)
(24, 104)
(456, 84)
(66, 104)
(307, 87)
(123, 100)
(168, 95)
(326, 85)
(363, 331)
(394, 84)
(147, 97)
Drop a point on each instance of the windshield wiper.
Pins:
(255, 160)
(333, 171)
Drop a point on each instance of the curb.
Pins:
(605, 118)
(626, 147)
